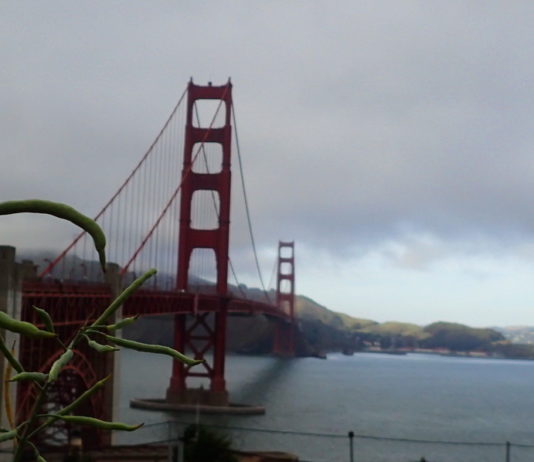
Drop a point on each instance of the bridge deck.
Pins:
(57, 296)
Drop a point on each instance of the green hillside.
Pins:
(458, 337)
(326, 330)
(323, 330)
(308, 309)
(392, 328)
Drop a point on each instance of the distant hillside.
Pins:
(325, 330)
(309, 310)
(392, 328)
(394, 334)
(458, 337)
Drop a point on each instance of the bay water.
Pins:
(400, 407)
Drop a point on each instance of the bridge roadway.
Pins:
(77, 302)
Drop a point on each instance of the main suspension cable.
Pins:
(249, 221)
(273, 271)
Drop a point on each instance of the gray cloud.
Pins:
(357, 120)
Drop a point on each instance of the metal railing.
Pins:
(362, 447)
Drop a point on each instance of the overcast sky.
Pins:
(392, 140)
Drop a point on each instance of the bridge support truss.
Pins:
(203, 333)
(284, 333)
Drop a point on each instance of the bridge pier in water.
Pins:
(187, 335)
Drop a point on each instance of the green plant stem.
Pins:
(64, 212)
(118, 302)
(33, 416)
(7, 354)
(86, 394)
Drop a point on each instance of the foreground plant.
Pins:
(98, 335)
(203, 444)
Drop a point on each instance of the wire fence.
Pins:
(350, 446)
(339, 447)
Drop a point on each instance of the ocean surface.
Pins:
(400, 408)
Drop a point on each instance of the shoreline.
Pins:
(446, 353)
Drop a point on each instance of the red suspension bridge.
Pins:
(179, 224)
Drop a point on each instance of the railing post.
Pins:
(508, 447)
(351, 445)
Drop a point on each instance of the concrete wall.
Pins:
(11, 276)
(10, 303)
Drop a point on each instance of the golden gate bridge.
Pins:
(179, 224)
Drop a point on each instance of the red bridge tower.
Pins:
(284, 334)
(204, 332)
